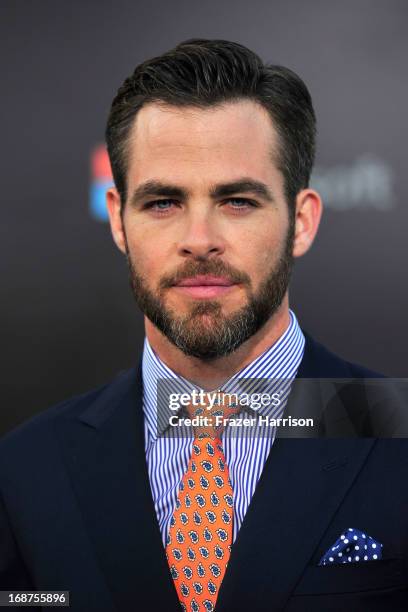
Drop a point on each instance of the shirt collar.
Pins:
(279, 362)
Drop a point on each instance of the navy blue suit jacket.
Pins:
(77, 513)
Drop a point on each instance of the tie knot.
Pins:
(210, 412)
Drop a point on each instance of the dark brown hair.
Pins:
(205, 73)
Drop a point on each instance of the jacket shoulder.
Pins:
(319, 362)
(33, 430)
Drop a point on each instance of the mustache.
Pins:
(213, 267)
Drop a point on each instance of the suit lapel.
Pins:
(105, 455)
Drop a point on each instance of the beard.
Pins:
(205, 332)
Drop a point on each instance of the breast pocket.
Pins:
(353, 577)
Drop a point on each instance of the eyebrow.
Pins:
(245, 185)
(155, 188)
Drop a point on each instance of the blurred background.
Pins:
(69, 322)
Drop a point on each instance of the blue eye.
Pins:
(160, 205)
(239, 203)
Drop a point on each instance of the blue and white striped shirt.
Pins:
(168, 457)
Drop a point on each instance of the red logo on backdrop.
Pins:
(101, 181)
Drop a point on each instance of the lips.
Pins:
(205, 286)
(205, 281)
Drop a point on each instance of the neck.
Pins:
(212, 374)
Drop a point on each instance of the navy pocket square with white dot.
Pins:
(353, 546)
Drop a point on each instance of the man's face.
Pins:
(206, 226)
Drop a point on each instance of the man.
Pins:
(211, 153)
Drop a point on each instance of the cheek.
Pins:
(145, 258)
(144, 248)
(259, 247)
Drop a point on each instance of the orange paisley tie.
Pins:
(200, 536)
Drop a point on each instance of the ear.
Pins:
(115, 218)
(309, 210)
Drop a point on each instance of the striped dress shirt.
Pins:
(168, 456)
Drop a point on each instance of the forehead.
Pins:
(188, 143)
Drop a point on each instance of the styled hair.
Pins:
(202, 73)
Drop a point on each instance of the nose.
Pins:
(201, 238)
